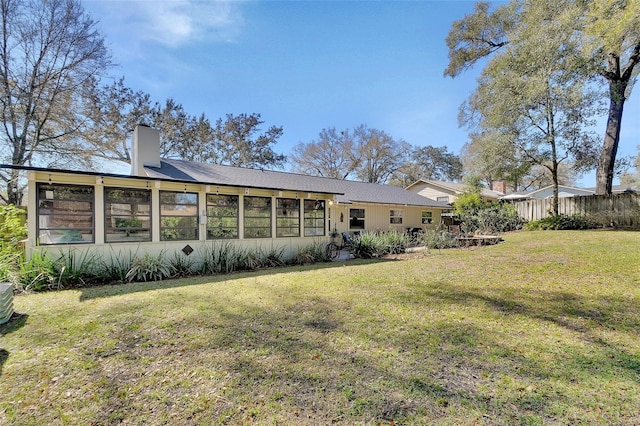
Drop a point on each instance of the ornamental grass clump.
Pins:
(150, 268)
(312, 253)
(220, 258)
(394, 242)
(70, 270)
(436, 239)
(367, 245)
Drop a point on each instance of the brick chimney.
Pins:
(499, 186)
(145, 149)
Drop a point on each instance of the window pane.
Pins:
(257, 217)
(222, 216)
(288, 217)
(178, 216)
(167, 197)
(314, 218)
(65, 213)
(427, 217)
(65, 236)
(356, 218)
(127, 214)
(395, 216)
(178, 222)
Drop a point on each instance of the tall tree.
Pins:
(437, 163)
(606, 31)
(241, 144)
(111, 112)
(367, 154)
(429, 162)
(493, 156)
(537, 96)
(49, 51)
(614, 40)
(380, 154)
(330, 155)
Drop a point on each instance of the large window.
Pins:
(65, 214)
(395, 217)
(222, 216)
(257, 217)
(178, 216)
(356, 218)
(287, 217)
(127, 214)
(314, 214)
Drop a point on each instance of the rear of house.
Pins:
(176, 206)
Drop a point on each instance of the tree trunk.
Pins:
(14, 193)
(617, 86)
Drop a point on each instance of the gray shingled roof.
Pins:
(346, 191)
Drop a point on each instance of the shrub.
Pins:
(394, 242)
(438, 239)
(367, 245)
(561, 222)
(115, 271)
(10, 265)
(71, 269)
(488, 217)
(181, 265)
(272, 258)
(13, 228)
(221, 258)
(497, 218)
(315, 252)
(149, 268)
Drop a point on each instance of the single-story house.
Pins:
(547, 192)
(563, 192)
(177, 206)
(447, 192)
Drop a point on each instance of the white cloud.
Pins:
(169, 23)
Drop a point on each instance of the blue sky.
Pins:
(304, 65)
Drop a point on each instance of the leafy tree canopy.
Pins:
(595, 38)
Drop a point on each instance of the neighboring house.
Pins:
(563, 192)
(447, 192)
(547, 192)
(180, 206)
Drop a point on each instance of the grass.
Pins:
(541, 329)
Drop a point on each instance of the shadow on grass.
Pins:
(587, 317)
(16, 322)
(94, 292)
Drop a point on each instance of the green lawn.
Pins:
(541, 329)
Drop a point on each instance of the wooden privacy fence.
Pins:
(621, 210)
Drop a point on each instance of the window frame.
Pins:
(71, 236)
(313, 219)
(353, 218)
(397, 218)
(429, 217)
(194, 217)
(231, 232)
(246, 218)
(282, 218)
(127, 229)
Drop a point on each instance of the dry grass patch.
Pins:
(542, 329)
